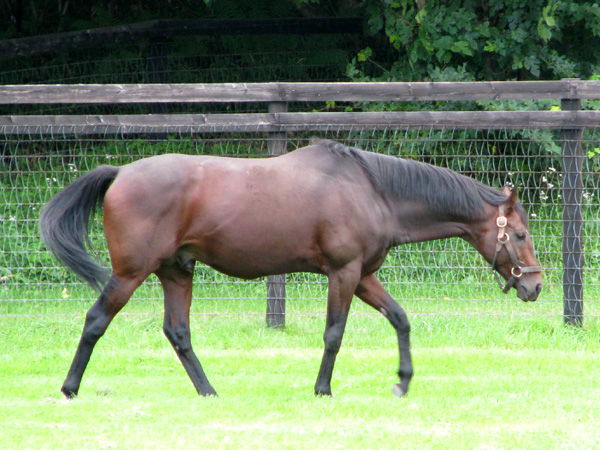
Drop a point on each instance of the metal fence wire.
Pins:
(446, 277)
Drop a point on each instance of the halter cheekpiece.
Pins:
(519, 267)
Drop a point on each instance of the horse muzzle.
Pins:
(529, 292)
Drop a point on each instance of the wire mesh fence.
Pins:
(446, 277)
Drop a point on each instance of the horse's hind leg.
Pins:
(177, 284)
(112, 299)
(372, 293)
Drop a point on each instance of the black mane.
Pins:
(451, 194)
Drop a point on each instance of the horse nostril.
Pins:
(538, 289)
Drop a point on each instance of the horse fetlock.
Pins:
(405, 373)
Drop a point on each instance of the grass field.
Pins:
(480, 383)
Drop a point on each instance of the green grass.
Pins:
(480, 383)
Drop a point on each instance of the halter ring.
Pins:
(516, 272)
(501, 221)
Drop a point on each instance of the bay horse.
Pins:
(325, 208)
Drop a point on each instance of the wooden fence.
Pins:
(277, 122)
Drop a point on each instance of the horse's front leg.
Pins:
(371, 292)
(342, 284)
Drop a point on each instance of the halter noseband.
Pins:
(519, 267)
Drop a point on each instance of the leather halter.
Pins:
(519, 267)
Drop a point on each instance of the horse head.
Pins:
(505, 242)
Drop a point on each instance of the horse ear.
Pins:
(513, 195)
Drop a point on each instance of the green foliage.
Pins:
(472, 40)
(485, 40)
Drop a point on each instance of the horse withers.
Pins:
(325, 208)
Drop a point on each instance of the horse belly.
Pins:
(251, 255)
(256, 242)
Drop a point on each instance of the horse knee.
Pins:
(178, 336)
(400, 321)
(333, 340)
(92, 335)
(95, 326)
(111, 301)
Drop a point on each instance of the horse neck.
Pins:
(418, 222)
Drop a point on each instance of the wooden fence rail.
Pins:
(297, 92)
(277, 121)
(293, 121)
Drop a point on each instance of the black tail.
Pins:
(64, 223)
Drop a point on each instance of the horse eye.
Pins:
(520, 236)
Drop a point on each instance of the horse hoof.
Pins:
(69, 394)
(323, 394)
(210, 393)
(398, 391)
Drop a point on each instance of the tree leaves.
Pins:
(495, 39)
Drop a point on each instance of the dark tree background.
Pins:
(401, 39)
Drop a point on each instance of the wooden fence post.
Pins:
(572, 157)
(276, 283)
